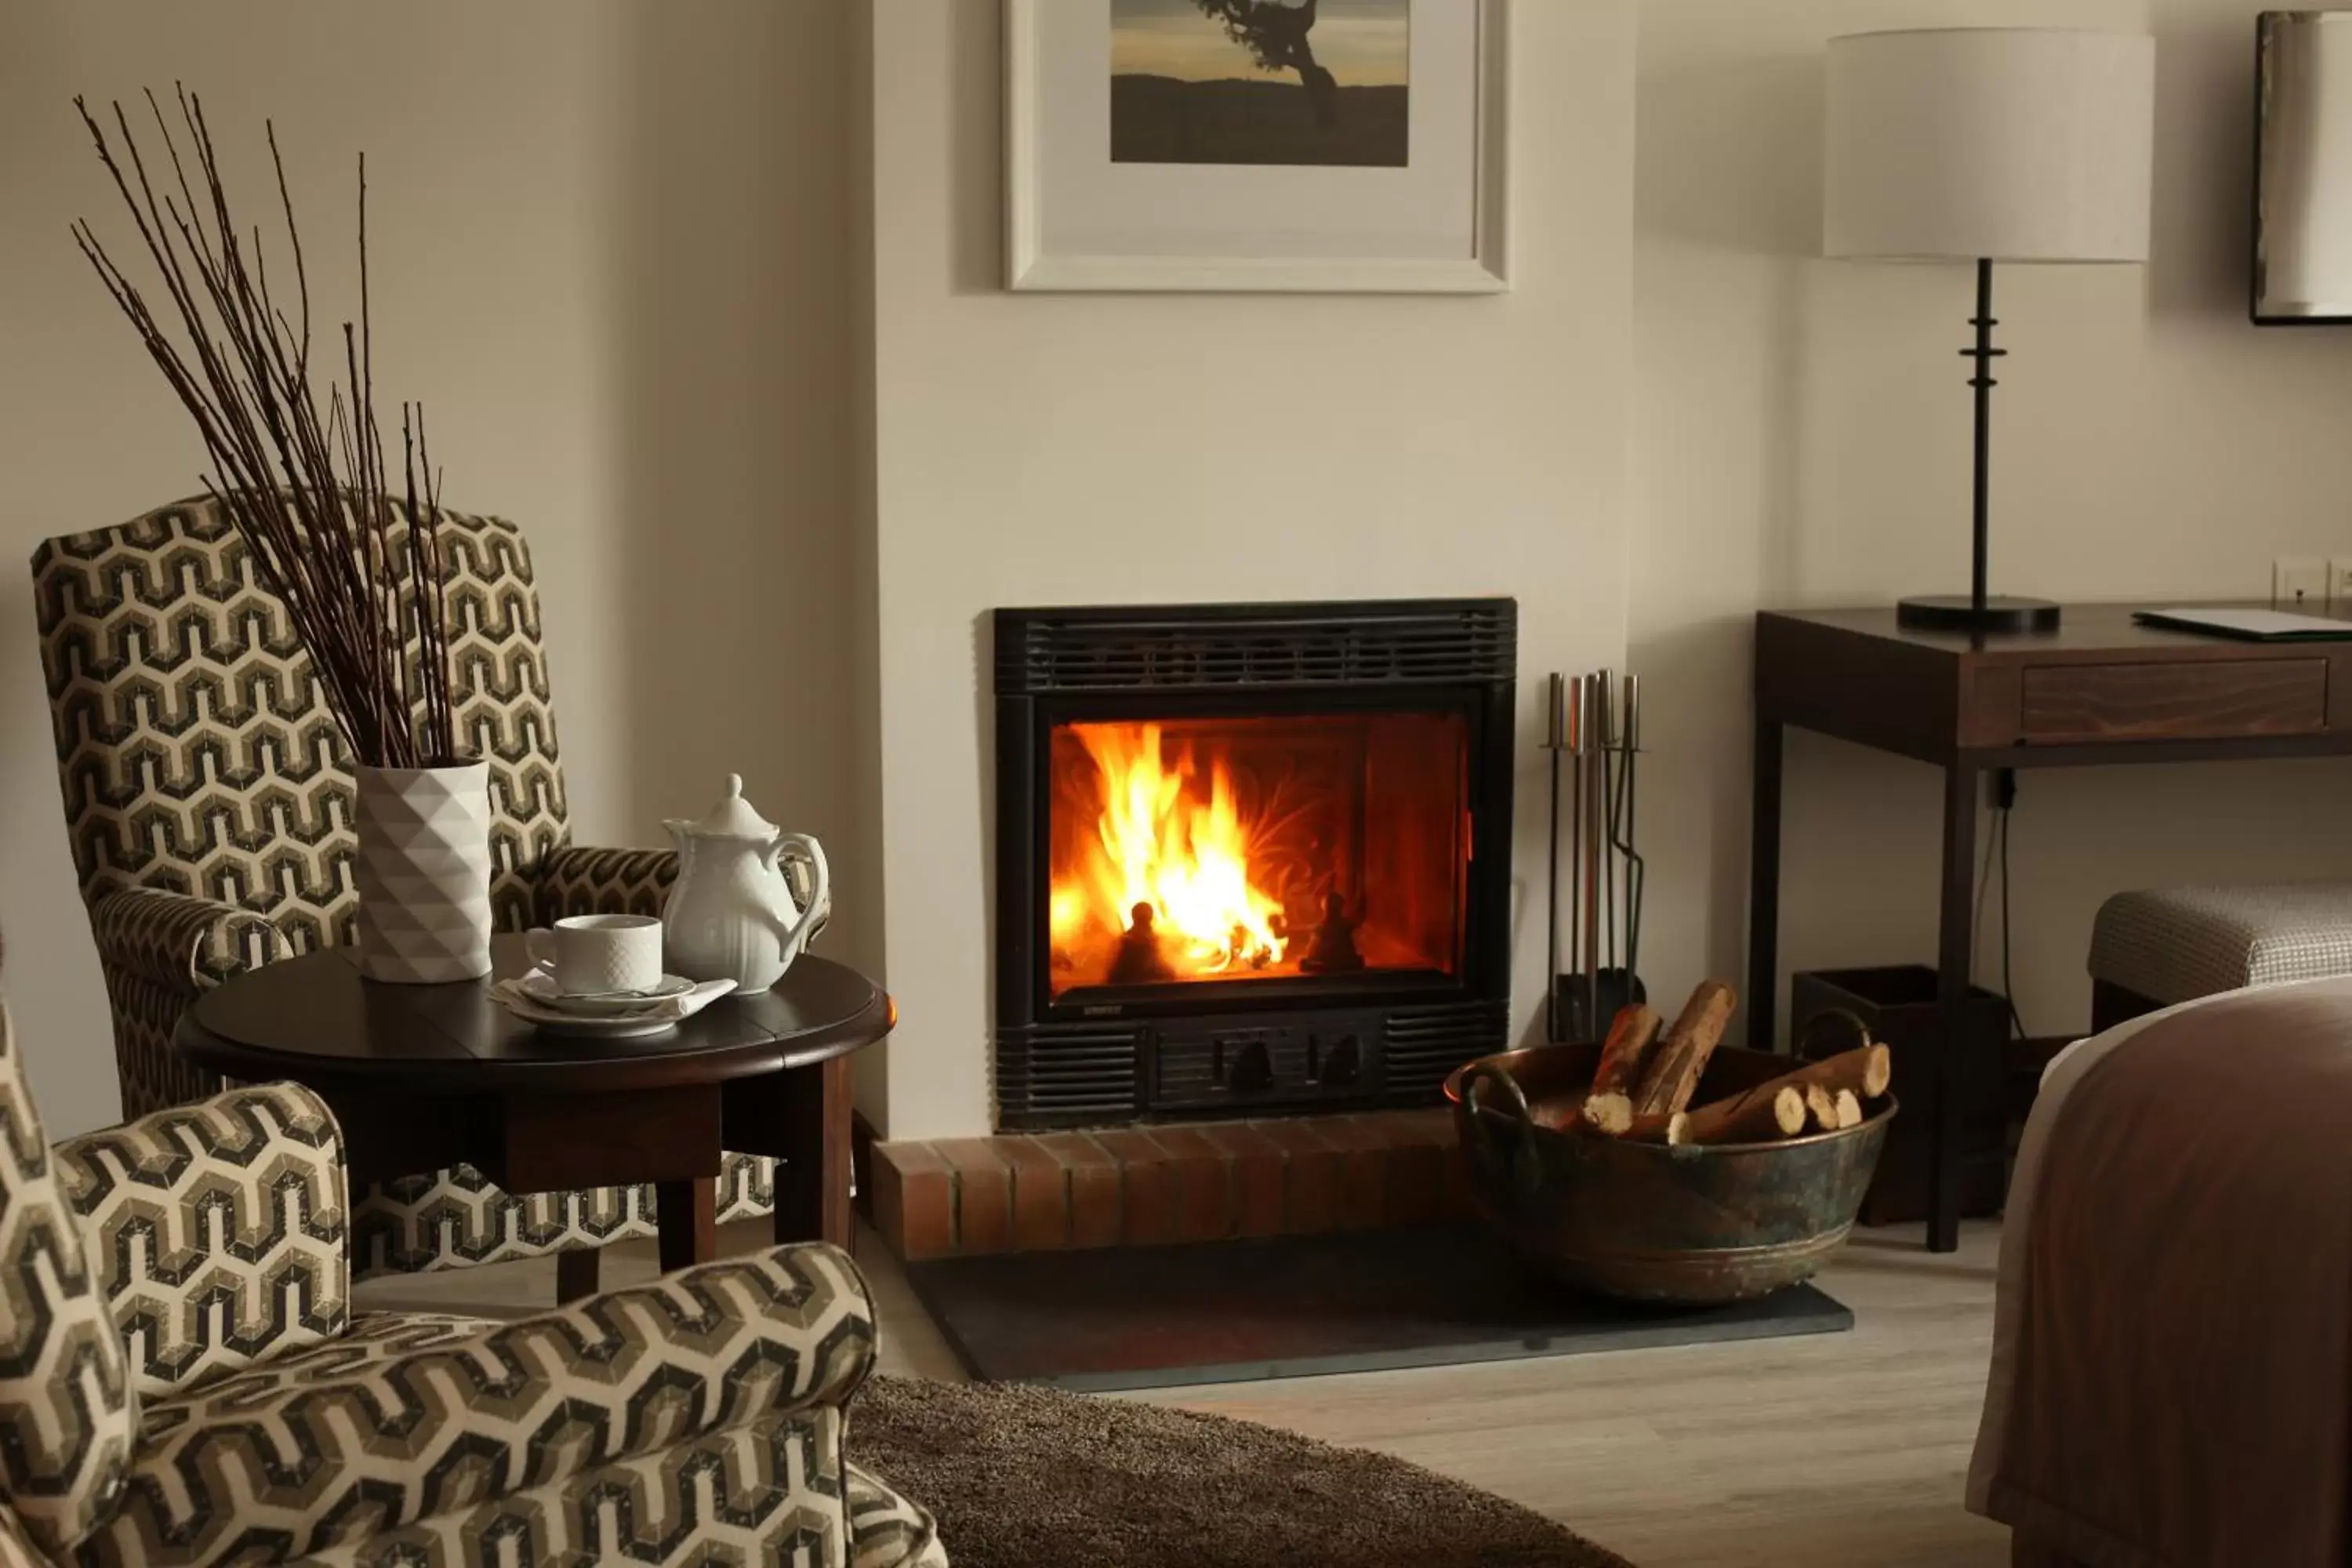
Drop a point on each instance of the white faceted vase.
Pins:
(422, 870)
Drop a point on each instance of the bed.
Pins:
(2171, 1378)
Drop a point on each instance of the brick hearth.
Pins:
(1140, 1186)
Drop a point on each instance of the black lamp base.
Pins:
(1960, 613)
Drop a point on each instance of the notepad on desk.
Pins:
(2250, 626)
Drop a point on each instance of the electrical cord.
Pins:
(2008, 985)
(1996, 849)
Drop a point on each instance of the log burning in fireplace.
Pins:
(1186, 850)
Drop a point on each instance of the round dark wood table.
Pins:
(423, 1076)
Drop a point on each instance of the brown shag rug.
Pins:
(1032, 1478)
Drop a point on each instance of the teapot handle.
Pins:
(816, 909)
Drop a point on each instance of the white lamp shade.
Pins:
(2008, 144)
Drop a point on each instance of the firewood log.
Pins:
(1868, 1070)
(1777, 1109)
(1764, 1114)
(1667, 1130)
(1632, 1041)
(1820, 1106)
(1674, 1068)
(1849, 1109)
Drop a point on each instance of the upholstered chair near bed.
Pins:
(209, 802)
(181, 1380)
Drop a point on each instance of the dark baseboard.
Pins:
(861, 1165)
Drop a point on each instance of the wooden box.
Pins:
(1898, 1005)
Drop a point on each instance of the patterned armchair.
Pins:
(182, 1381)
(209, 801)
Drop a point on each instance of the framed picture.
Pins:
(1272, 145)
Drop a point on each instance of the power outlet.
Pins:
(2300, 583)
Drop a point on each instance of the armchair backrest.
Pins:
(68, 1416)
(197, 754)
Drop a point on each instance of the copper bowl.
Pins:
(1693, 1223)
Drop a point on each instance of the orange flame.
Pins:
(1158, 842)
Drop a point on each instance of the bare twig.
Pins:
(300, 473)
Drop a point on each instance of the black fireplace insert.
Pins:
(1251, 860)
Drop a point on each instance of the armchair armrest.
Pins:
(178, 941)
(218, 1231)
(18, 1547)
(576, 881)
(520, 1406)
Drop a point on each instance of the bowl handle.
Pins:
(1811, 1046)
(1519, 1156)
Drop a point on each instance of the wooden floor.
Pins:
(1838, 1451)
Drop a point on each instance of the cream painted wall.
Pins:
(609, 243)
(1801, 429)
(1042, 449)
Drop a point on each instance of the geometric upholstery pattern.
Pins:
(698, 1419)
(67, 1409)
(2174, 944)
(886, 1530)
(287, 1462)
(219, 1230)
(209, 798)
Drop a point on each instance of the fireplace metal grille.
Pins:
(1245, 1048)
(1270, 646)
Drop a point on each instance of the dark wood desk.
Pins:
(422, 1076)
(2100, 690)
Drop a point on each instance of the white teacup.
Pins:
(595, 955)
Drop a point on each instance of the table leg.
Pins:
(689, 1216)
(1955, 942)
(575, 1275)
(1764, 886)
(812, 1183)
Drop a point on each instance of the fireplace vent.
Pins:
(1276, 647)
(1058, 1074)
(1425, 1044)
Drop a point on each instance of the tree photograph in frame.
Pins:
(1259, 145)
(1260, 82)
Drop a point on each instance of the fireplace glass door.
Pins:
(1274, 851)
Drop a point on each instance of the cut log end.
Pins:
(1671, 1130)
(1849, 1108)
(1820, 1105)
(1609, 1113)
(1877, 1071)
(1789, 1112)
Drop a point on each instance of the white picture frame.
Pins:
(1032, 264)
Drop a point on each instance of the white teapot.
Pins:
(733, 914)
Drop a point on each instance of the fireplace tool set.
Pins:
(1594, 925)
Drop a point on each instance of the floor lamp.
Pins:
(1989, 145)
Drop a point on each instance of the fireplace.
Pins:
(1251, 860)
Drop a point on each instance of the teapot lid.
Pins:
(733, 817)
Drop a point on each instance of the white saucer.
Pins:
(649, 1016)
(539, 985)
(596, 1028)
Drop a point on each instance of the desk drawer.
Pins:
(2209, 699)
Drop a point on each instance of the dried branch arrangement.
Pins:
(303, 479)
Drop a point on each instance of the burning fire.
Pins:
(1167, 852)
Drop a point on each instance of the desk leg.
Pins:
(1764, 887)
(812, 1183)
(1955, 939)
(689, 1216)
